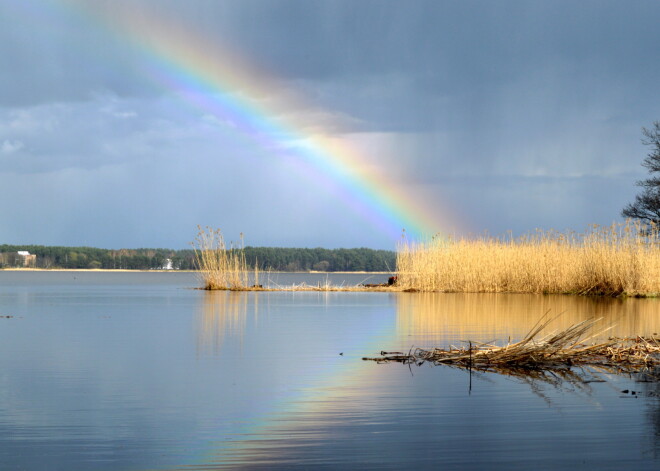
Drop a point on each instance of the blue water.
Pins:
(134, 371)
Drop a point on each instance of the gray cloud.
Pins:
(9, 147)
(517, 114)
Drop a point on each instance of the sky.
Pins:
(128, 123)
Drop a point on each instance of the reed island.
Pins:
(617, 260)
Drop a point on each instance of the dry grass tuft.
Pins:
(222, 267)
(623, 259)
(225, 268)
(556, 351)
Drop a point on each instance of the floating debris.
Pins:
(535, 354)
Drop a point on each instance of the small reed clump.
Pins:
(554, 351)
(623, 259)
(222, 267)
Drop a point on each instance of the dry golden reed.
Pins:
(562, 349)
(622, 259)
(222, 267)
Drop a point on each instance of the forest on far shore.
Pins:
(265, 258)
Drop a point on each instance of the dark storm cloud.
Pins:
(515, 113)
(432, 40)
(437, 48)
(473, 69)
(442, 47)
(50, 52)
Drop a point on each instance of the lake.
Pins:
(136, 371)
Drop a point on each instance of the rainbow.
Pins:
(224, 84)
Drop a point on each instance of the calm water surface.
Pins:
(134, 371)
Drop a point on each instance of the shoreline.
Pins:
(327, 288)
(93, 270)
(128, 270)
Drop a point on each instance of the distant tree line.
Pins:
(90, 257)
(291, 259)
(265, 258)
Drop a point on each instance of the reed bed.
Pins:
(622, 259)
(534, 354)
(222, 267)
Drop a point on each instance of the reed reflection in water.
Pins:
(339, 411)
(437, 319)
(224, 314)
